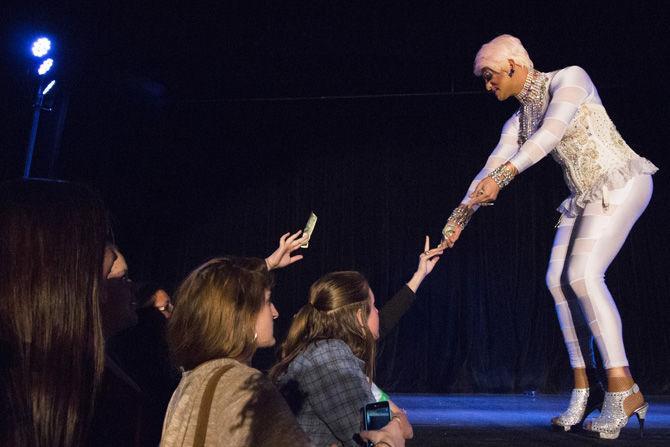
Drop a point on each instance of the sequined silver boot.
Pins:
(613, 417)
(582, 403)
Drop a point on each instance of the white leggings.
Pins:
(583, 249)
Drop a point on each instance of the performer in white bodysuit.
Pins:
(562, 114)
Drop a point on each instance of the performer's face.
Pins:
(498, 83)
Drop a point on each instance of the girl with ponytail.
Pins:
(327, 361)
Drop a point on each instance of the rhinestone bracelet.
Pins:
(460, 216)
(502, 175)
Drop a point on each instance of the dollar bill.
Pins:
(309, 229)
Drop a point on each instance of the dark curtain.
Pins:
(186, 180)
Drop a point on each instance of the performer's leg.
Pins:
(576, 334)
(587, 393)
(598, 237)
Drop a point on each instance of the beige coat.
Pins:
(246, 409)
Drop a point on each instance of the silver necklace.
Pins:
(533, 97)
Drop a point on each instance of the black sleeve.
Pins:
(394, 309)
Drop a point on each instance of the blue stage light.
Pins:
(41, 47)
(48, 87)
(45, 66)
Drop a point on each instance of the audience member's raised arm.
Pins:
(282, 256)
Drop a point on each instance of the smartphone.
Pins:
(376, 415)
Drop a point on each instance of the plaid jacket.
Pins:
(326, 388)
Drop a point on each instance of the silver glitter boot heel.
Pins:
(582, 403)
(613, 417)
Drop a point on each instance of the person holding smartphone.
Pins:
(327, 361)
(390, 435)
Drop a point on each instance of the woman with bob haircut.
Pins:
(222, 314)
(52, 247)
(327, 361)
(561, 113)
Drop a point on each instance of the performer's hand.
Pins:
(486, 192)
(281, 257)
(451, 240)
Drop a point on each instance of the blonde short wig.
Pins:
(496, 53)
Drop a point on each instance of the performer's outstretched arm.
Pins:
(506, 148)
(569, 89)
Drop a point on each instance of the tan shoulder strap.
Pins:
(206, 406)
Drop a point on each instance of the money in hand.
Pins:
(309, 228)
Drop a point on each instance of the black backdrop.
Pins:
(373, 120)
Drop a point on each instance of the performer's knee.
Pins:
(582, 281)
(553, 278)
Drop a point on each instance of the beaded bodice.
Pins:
(590, 149)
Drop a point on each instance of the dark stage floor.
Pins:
(515, 420)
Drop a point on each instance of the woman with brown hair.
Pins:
(222, 314)
(52, 247)
(327, 362)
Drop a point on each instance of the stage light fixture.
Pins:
(49, 87)
(41, 47)
(45, 66)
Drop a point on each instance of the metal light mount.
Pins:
(40, 48)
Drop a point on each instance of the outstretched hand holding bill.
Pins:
(283, 255)
(427, 261)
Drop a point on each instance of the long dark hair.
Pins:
(52, 243)
(331, 313)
